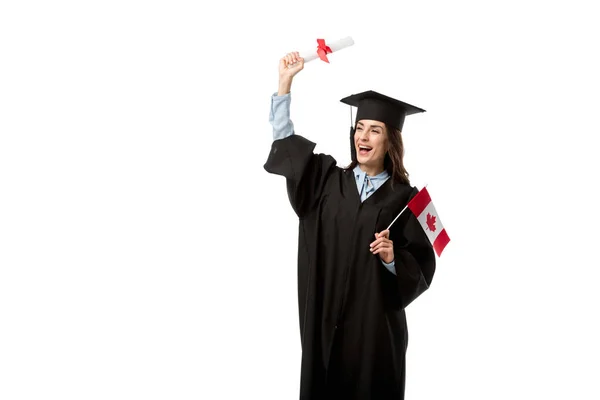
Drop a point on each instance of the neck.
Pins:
(371, 171)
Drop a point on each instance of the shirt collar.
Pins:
(359, 174)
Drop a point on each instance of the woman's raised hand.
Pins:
(286, 68)
(289, 66)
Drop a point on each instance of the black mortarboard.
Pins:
(376, 106)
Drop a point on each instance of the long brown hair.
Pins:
(394, 158)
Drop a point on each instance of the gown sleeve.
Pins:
(306, 173)
(414, 259)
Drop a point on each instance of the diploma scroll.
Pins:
(323, 49)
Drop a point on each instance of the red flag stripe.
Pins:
(440, 242)
(419, 202)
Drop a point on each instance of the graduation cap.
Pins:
(379, 107)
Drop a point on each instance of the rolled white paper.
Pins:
(338, 45)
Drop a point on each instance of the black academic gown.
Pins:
(352, 321)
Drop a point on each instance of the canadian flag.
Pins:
(422, 206)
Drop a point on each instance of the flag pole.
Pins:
(405, 207)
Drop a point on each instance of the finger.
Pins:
(382, 245)
(386, 246)
(376, 242)
(386, 241)
(384, 253)
(380, 240)
(385, 233)
(374, 248)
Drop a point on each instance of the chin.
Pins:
(363, 159)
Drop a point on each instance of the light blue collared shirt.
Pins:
(367, 185)
(279, 117)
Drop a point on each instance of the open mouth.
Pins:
(364, 150)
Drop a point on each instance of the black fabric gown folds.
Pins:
(352, 321)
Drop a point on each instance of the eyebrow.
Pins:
(373, 126)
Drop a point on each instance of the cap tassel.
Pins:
(352, 130)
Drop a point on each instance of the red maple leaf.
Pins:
(431, 222)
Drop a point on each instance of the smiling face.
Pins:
(371, 143)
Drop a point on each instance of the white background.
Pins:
(146, 254)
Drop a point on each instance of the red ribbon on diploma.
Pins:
(323, 49)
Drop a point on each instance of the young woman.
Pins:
(355, 278)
